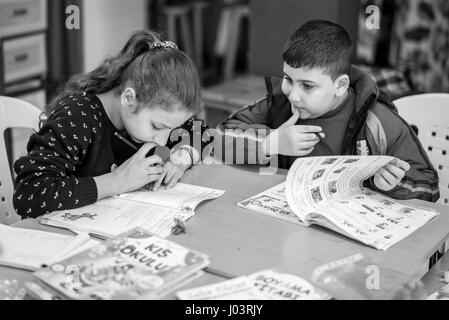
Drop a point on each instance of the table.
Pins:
(241, 242)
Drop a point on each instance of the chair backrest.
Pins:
(430, 114)
(14, 113)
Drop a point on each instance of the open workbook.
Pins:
(329, 191)
(30, 249)
(156, 212)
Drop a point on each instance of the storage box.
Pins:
(24, 57)
(22, 16)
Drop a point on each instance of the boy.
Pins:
(327, 107)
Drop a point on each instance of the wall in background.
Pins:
(273, 21)
(106, 26)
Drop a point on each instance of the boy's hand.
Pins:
(390, 175)
(292, 140)
(170, 176)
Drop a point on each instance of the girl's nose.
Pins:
(162, 138)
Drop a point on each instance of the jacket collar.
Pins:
(365, 88)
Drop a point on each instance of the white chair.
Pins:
(14, 113)
(429, 113)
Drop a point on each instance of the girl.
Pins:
(86, 149)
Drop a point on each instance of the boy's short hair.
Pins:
(322, 44)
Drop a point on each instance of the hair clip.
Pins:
(162, 44)
(179, 226)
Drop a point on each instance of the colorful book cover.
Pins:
(134, 265)
(262, 285)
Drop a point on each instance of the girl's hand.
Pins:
(171, 175)
(138, 171)
(390, 175)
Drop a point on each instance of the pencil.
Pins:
(322, 140)
(118, 135)
(324, 143)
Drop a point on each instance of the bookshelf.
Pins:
(23, 60)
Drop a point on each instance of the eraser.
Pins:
(163, 153)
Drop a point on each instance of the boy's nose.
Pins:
(294, 95)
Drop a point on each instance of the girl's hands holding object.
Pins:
(174, 169)
(170, 176)
(138, 170)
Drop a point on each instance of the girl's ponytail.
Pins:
(108, 75)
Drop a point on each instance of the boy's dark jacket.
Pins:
(375, 128)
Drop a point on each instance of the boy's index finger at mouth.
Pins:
(311, 129)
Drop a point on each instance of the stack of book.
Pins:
(134, 265)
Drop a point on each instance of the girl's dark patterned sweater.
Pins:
(76, 144)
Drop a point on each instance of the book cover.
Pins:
(261, 285)
(134, 265)
(272, 202)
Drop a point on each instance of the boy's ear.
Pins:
(341, 85)
(128, 100)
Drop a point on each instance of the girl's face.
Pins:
(153, 124)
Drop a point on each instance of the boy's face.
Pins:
(311, 91)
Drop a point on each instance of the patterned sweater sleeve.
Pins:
(46, 179)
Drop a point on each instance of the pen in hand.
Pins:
(118, 135)
(321, 138)
(324, 143)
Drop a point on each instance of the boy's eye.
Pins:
(307, 86)
(288, 79)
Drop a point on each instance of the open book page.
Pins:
(373, 218)
(317, 181)
(262, 285)
(29, 249)
(112, 216)
(271, 202)
(179, 197)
